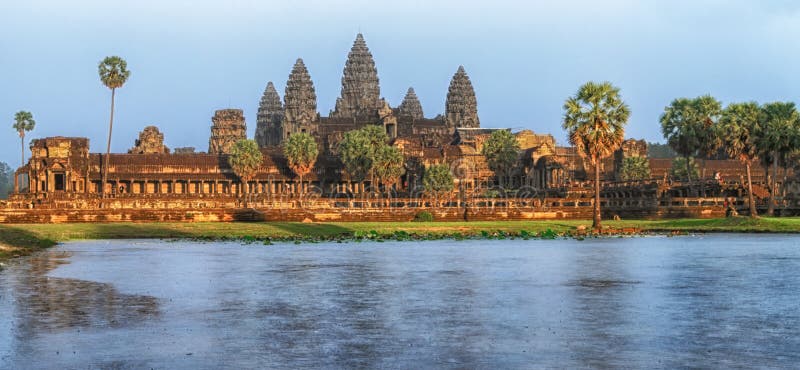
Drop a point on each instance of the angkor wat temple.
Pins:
(62, 173)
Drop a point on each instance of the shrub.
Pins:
(635, 168)
(423, 216)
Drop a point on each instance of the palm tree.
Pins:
(389, 165)
(301, 152)
(113, 73)
(707, 112)
(502, 152)
(358, 148)
(689, 125)
(245, 158)
(595, 120)
(23, 122)
(677, 128)
(738, 130)
(438, 180)
(776, 138)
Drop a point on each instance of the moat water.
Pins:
(716, 301)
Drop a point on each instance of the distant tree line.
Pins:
(768, 134)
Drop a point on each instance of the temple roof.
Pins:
(360, 85)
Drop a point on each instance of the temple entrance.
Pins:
(59, 181)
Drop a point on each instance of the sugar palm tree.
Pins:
(678, 128)
(738, 129)
(707, 112)
(301, 151)
(245, 158)
(595, 120)
(23, 122)
(358, 148)
(689, 125)
(113, 73)
(502, 152)
(389, 165)
(775, 138)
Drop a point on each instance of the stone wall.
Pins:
(383, 210)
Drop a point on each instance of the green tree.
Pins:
(707, 112)
(389, 165)
(502, 153)
(23, 122)
(438, 180)
(113, 73)
(739, 128)
(595, 120)
(679, 168)
(6, 180)
(677, 126)
(245, 158)
(690, 126)
(301, 151)
(635, 168)
(776, 138)
(358, 149)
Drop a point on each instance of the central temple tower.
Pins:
(360, 99)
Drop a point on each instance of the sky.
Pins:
(190, 58)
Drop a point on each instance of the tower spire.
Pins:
(270, 115)
(360, 96)
(461, 106)
(300, 112)
(411, 106)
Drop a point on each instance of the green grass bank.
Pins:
(22, 239)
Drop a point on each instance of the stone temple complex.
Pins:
(63, 173)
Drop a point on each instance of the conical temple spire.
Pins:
(300, 99)
(270, 115)
(271, 100)
(411, 106)
(461, 107)
(361, 92)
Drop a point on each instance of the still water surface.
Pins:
(707, 301)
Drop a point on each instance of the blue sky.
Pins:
(189, 58)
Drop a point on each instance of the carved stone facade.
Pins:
(270, 117)
(461, 107)
(387, 119)
(411, 107)
(629, 148)
(300, 104)
(228, 127)
(184, 150)
(361, 93)
(358, 105)
(57, 164)
(62, 173)
(150, 141)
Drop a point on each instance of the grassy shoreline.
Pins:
(22, 239)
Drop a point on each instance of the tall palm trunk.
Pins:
(108, 147)
(689, 173)
(22, 145)
(774, 183)
(751, 198)
(703, 178)
(596, 220)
